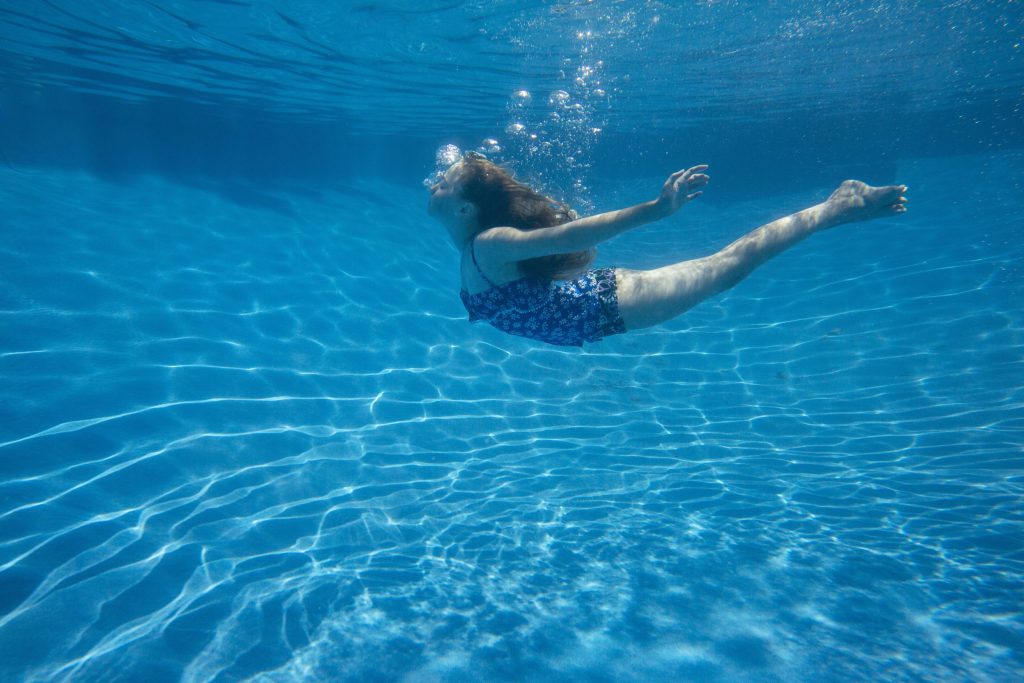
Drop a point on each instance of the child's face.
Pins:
(444, 194)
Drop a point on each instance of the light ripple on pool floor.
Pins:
(228, 458)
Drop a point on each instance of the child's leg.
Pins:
(650, 297)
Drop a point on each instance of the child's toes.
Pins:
(893, 192)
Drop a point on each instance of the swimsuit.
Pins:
(561, 312)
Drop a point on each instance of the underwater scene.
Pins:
(248, 433)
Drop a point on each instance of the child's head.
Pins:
(476, 194)
(477, 189)
(500, 199)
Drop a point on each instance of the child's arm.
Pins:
(513, 244)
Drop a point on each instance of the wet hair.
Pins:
(501, 200)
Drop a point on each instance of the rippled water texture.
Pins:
(423, 65)
(263, 443)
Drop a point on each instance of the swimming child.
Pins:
(525, 257)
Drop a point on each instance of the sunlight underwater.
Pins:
(292, 458)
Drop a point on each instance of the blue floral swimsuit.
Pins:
(561, 312)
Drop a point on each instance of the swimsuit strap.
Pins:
(472, 252)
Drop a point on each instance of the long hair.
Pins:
(501, 200)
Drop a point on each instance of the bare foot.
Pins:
(856, 201)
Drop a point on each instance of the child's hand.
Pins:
(681, 187)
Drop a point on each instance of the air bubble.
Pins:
(447, 155)
(515, 129)
(444, 157)
(490, 146)
(521, 98)
(558, 98)
(599, 93)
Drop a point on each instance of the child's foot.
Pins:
(857, 201)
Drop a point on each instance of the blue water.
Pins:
(246, 432)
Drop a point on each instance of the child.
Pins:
(525, 257)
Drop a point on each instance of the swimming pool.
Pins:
(246, 432)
